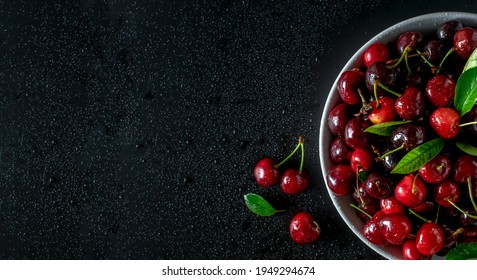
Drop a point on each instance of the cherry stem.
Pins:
(458, 231)
(413, 188)
(300, 143)
(451, 50)
(469, 123)
(403, 56)
(317, 226)
(460, 210)
(397, 59)
(387, 89)
(425, 59)
(419, 216)
(375, 89)
(361, 210)
(408, 68)
(471, 195)
(390, 152)
(437, 214)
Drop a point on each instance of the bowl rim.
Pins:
(420, 23)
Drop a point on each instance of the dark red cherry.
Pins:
(434, 51)
(265, 173)
(429, 239)
(436, 170)
(348, 85)
(465, 41)
(445, 31)
(395, 227)
(391, 160)
(379, 186)
(426, 206)
(410, 191)
(446, 191)
(354, 133)
(362, 160)
(338, 119)
(409, 136)
(376, 52)
(294, 182)
(371, 229)
(464, 166)
(445, 122)
(340, 152)
(440, 90)
(412, 39)
(385, 112)
(341, 179)
(304, 229)
(379, 72)
(361, 196)
(411, 105)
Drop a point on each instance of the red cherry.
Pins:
(385, 112)
(391, 205)
(429, 239)
(362, 159)
(465, 166)
(395, 227)
(411, 105)
(348, 85)
(440, 90)
(445, 191)
(304, 229)
(371, 229)
(341, 179)
(294, 182)
(436, 170)
(465, 41)
(410, 252)
(376, 52)
(410, 191)
(265, 173)
(445, 122)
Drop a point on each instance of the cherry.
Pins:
(411, 39)
(445, 122)
(408, 136)
(390, 158)
(465, 166)
(340, 179)
(410, 191)
(429, 239)
(379, 186)
(338, 118)
(391, 205)
(266, 173)
(445, 192)
(349, 85)
(409, 250)
(436, 170)
(362, 197)
(362, 159)
(378, 73)
(340, 152)
(293, 181)
(470, 130)
(440, 90)
(304, 229)
(376, 52)
(371, 229)
(368, 208)
(411, 105)
(426, 206)
(354, 133)
(382, 110)
(434, 51)
(445, 31)
(465, 41)
(395, 227)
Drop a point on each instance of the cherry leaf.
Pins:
(463, 251)
(466, 91)
(471, 62)
(386, 128)
(466, 148)
(418, 156)
(259, 205)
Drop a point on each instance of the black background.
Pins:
(130, 129)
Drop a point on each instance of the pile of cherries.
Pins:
(412, 80)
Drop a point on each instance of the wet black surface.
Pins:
(129, 129)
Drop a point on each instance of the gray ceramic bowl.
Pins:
(425, 24)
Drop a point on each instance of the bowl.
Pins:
(426, 24)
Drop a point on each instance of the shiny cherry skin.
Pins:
(464, 166)
(385, 112)
(409, 136)
(391, 160)
(379, 72)
(440, 90)
(294, 182)
(445, 31)
(465, 41)
(340, 152)
(410, 191)
(446, 191)
(338, 118)
(409, 250)
(376, 52)
(429, 239)
(445, 122)
(362, 197)
(436, 170)
(304, 229)
(371, 229)
(411, 105)
(354, 133)
(412, 39)
(395, 227)
(391, 205)
(341, 179)
(379, 186)
(265, 173)
(348, 85)
(362, 160)
(426, 206)
(435, 51)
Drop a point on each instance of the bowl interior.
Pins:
(425, 24)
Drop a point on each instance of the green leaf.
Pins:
(466, 91)
(259, 205)
(466, 148)
(463, 251)
(385, 129)
(471, 62)
(363, 175)
(418, 156)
